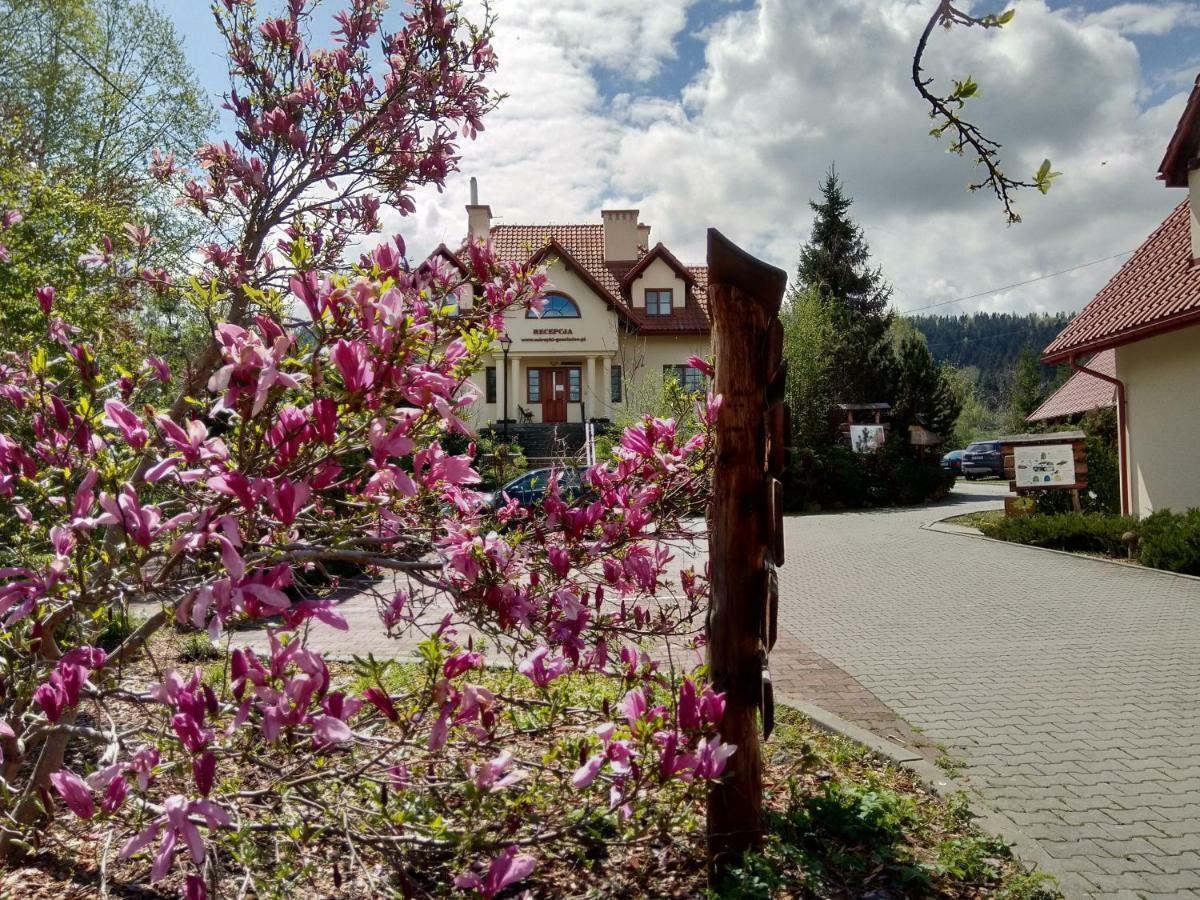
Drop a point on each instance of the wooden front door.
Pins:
(554, 395)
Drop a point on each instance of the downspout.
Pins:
(1122, 439)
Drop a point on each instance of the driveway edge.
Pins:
(1027, 850)
(943, 526)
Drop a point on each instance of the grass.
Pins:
(978, 519)
(844, 824)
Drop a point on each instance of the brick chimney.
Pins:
(620, 234)
(479, 218)
(643, 237)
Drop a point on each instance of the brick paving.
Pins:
(1069, 687)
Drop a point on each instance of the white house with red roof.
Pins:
(619, 313)
(1149, 316)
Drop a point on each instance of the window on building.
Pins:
(489, 384)
(614, 386)
(557, 306)
(658, 303)
(690, 379)
(574, 386)
(533, 382)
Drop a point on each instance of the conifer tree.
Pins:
(837, 260)
(836, 263)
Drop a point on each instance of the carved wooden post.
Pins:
(746, 537)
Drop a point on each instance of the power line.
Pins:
(1017, 284)
(103, 76)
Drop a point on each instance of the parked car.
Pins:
(530, 489)
(952, 462)
(983, 459)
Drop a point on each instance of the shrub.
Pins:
(836, 477)
(1087, 533)
(1170, 541)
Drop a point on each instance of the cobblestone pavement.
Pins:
(1070, 687)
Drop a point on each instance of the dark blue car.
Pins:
(530, 489)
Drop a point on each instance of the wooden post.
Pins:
(746, 540)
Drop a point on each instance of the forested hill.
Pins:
(991, 342)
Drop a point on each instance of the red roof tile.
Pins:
(1082, 392)
(1158, 289)
(585, 244)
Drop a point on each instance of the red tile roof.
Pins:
(585, 246)
(1082, 392)
(1157, 290)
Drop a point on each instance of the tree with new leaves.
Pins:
(318, 437)
(1025, 393)
(89, 89)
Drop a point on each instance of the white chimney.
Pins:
(479, 218)
(620, 234)
(643, 237)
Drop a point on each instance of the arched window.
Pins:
(558, 306)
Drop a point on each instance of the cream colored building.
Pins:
(1149, 313)
(620, 316)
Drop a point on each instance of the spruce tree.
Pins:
(836, 264)
(836, 260)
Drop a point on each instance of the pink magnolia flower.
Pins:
(494, 775)
(353, 362)
(74, 792)
(703, 365)
(45, 298)
(114, 796)
(537, 671)
(132, 428)
(712, 755)
(175, 824)
(507, 868)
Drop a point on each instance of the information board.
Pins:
(1044, 465)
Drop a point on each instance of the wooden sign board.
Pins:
(1046, 462)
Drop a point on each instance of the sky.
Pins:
(727, 113)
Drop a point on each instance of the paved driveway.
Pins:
(1071, 687)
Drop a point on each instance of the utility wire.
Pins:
(103, 76)
(1016, 284)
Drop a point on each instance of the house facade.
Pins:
(621, 315)
(1149, 316)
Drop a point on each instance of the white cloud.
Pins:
(790, 86)
(1146, 18)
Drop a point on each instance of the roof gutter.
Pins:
(1122, 438)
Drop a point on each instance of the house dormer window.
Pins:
(658, 302)
(557, 306)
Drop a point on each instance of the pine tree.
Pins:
(836, 260)
(923, 390)
(835, 263)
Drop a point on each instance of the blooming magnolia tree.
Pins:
(319, 440)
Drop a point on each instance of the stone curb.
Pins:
(1027, 850)
(942, 526)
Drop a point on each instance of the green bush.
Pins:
(1170, 541)
(1087, 533)
(835, 477)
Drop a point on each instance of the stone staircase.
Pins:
(546, 443)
